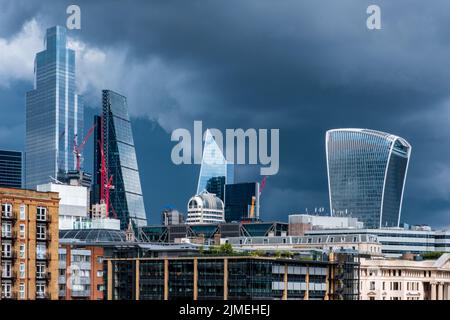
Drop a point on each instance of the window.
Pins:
(6, 250)
(41, 231)
(22, 231)
(23, 214)
(22, 291)
(371, 298)
(6, 290)
(41, 250)
(40, 270)
(22, 251)
(6, 210)
(395, 286)
(99, 273)
(22, 270)
(99, 259)
(384, 285)
(6, 230)
(40, 289)
(41, 214)
(372, 285)
(6, 269)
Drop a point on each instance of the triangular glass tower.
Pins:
(213, 164)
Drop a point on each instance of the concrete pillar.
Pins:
(447, 290)
(225, 279)
(285, 281)
(137, 276)
(433, 290)
(195, 279)
(307, 284)
(440, 292)
(166, 279)
(110, 280)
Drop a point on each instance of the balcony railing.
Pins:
(8, 255)
(10, 216)
(42, 295)
(10, 276)
(43, 275)
(12, 235)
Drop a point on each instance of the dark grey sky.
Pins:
(303, 66)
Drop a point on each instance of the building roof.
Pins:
(93, 235)
(206, 200)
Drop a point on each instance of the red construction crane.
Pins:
(78, 148)
(106, 181)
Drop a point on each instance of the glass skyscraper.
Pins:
(366, 175)
(11, 169)
(126, 197)
(238, 201)
(54, 112)
(213, 164)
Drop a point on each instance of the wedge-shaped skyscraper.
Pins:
(54, 112)
(366, 175)
(213, 164)
(126, 199)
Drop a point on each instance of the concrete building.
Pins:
(205, 208)
(300, 223)
(73, 205)
(170, 216)
(397, 241)
(404, 279)
(29, 244)
(363, 244)
(315, 276)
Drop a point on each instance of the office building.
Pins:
(126, 200)
(363, 244)
(11, 169)
(54, 112)
(216, 185)
(213, 164)
(397, 241)
(405, 279)
(205, 208)
(366, 175)
(29, 244)
(313, 276)
(171, 216)
(242, 201)
(211, 233)
(300, 223)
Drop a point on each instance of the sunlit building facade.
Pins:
(366, 175)
(213, 164)
(54, 112)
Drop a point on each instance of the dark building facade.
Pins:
(216, 185)
(126, 200)
(238, 201)
(316, 276)
(11, 169)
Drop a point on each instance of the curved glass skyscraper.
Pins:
(366, 175)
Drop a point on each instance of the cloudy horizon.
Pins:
(299, 66)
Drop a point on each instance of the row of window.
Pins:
(7, 231)
(7, 290)
(7, 212)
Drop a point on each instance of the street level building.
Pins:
(29, 244)
(405, 279)
(313, 277)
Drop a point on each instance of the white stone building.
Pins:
(205, 208)
(405, 279)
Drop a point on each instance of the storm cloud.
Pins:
(301, 66)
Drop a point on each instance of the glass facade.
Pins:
(126, 197)
(366, 175)
(216, 185)
(213, 164)
(238, 201)
(11, 169)
(54, 112)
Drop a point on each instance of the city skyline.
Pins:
(304, 92)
